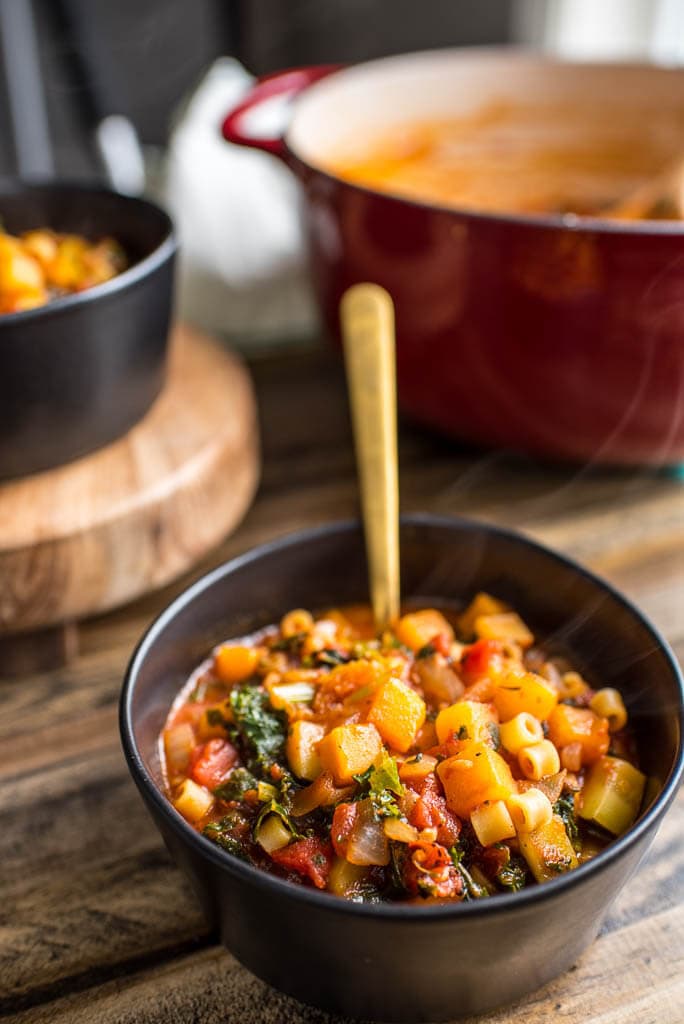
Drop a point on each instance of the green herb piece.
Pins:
(364, 649)
(382, 784)
(219, 832)
(331, 657)
(275, 807)
(290, 644)
(216, 717)
(463, 733)
(426, 651)
(386, 776)
(384, 804)
(261, 730)
(236, 785)
(564, 807)
(513, 874)
(472, 890)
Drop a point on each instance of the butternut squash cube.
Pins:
(302, 755)
(397, 712)
(416, 629)
(473, 776)
(579, 725)
(504, 626)
(548, 850)
(467, 720)
(416, 771)
(612, 794)
(235, 662)
(524, 691)
(348, 750)
(212, 722)
(481, 604)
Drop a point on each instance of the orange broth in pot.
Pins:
(520, 158)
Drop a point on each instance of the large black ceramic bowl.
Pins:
(77, 373)
(406, 962)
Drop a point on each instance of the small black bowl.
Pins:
(403, 962)
(77, 373)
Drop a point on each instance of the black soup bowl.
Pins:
(78, 372)
(399, 962)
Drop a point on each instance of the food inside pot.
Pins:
(42, 265)
(449, 759)
(525, 158)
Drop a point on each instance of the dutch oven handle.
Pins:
(284, 83)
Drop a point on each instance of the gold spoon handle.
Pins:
(367, 316)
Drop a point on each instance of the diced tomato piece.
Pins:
(442, 643)
(428, 871)
(343, 822)
(480, 659)
(212, 762)
(449, 748)
(431, 811)
(311, 858)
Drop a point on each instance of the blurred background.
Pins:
(142, 58)
(132, 93)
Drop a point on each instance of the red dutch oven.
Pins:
(559, 335)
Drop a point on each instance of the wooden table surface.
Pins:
(96, 925)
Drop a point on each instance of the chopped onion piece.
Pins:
(551, 786)
(321, 793)
(439, 681)
(367, 843)
(291, 693)
(179, 742)
(400, 831)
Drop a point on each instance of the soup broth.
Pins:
(521, 158)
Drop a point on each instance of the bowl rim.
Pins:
(142, 268)
(550, 221)
(280, 887)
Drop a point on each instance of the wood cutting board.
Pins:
(98, 532)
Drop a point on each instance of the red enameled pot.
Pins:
(561, 336)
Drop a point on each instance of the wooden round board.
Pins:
(105, 529)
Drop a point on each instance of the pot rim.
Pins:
(247, 873)
(548, 221)
(129, 277)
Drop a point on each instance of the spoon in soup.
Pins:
(367, 316)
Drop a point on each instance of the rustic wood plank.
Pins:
(209, 987)
(103, 928)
